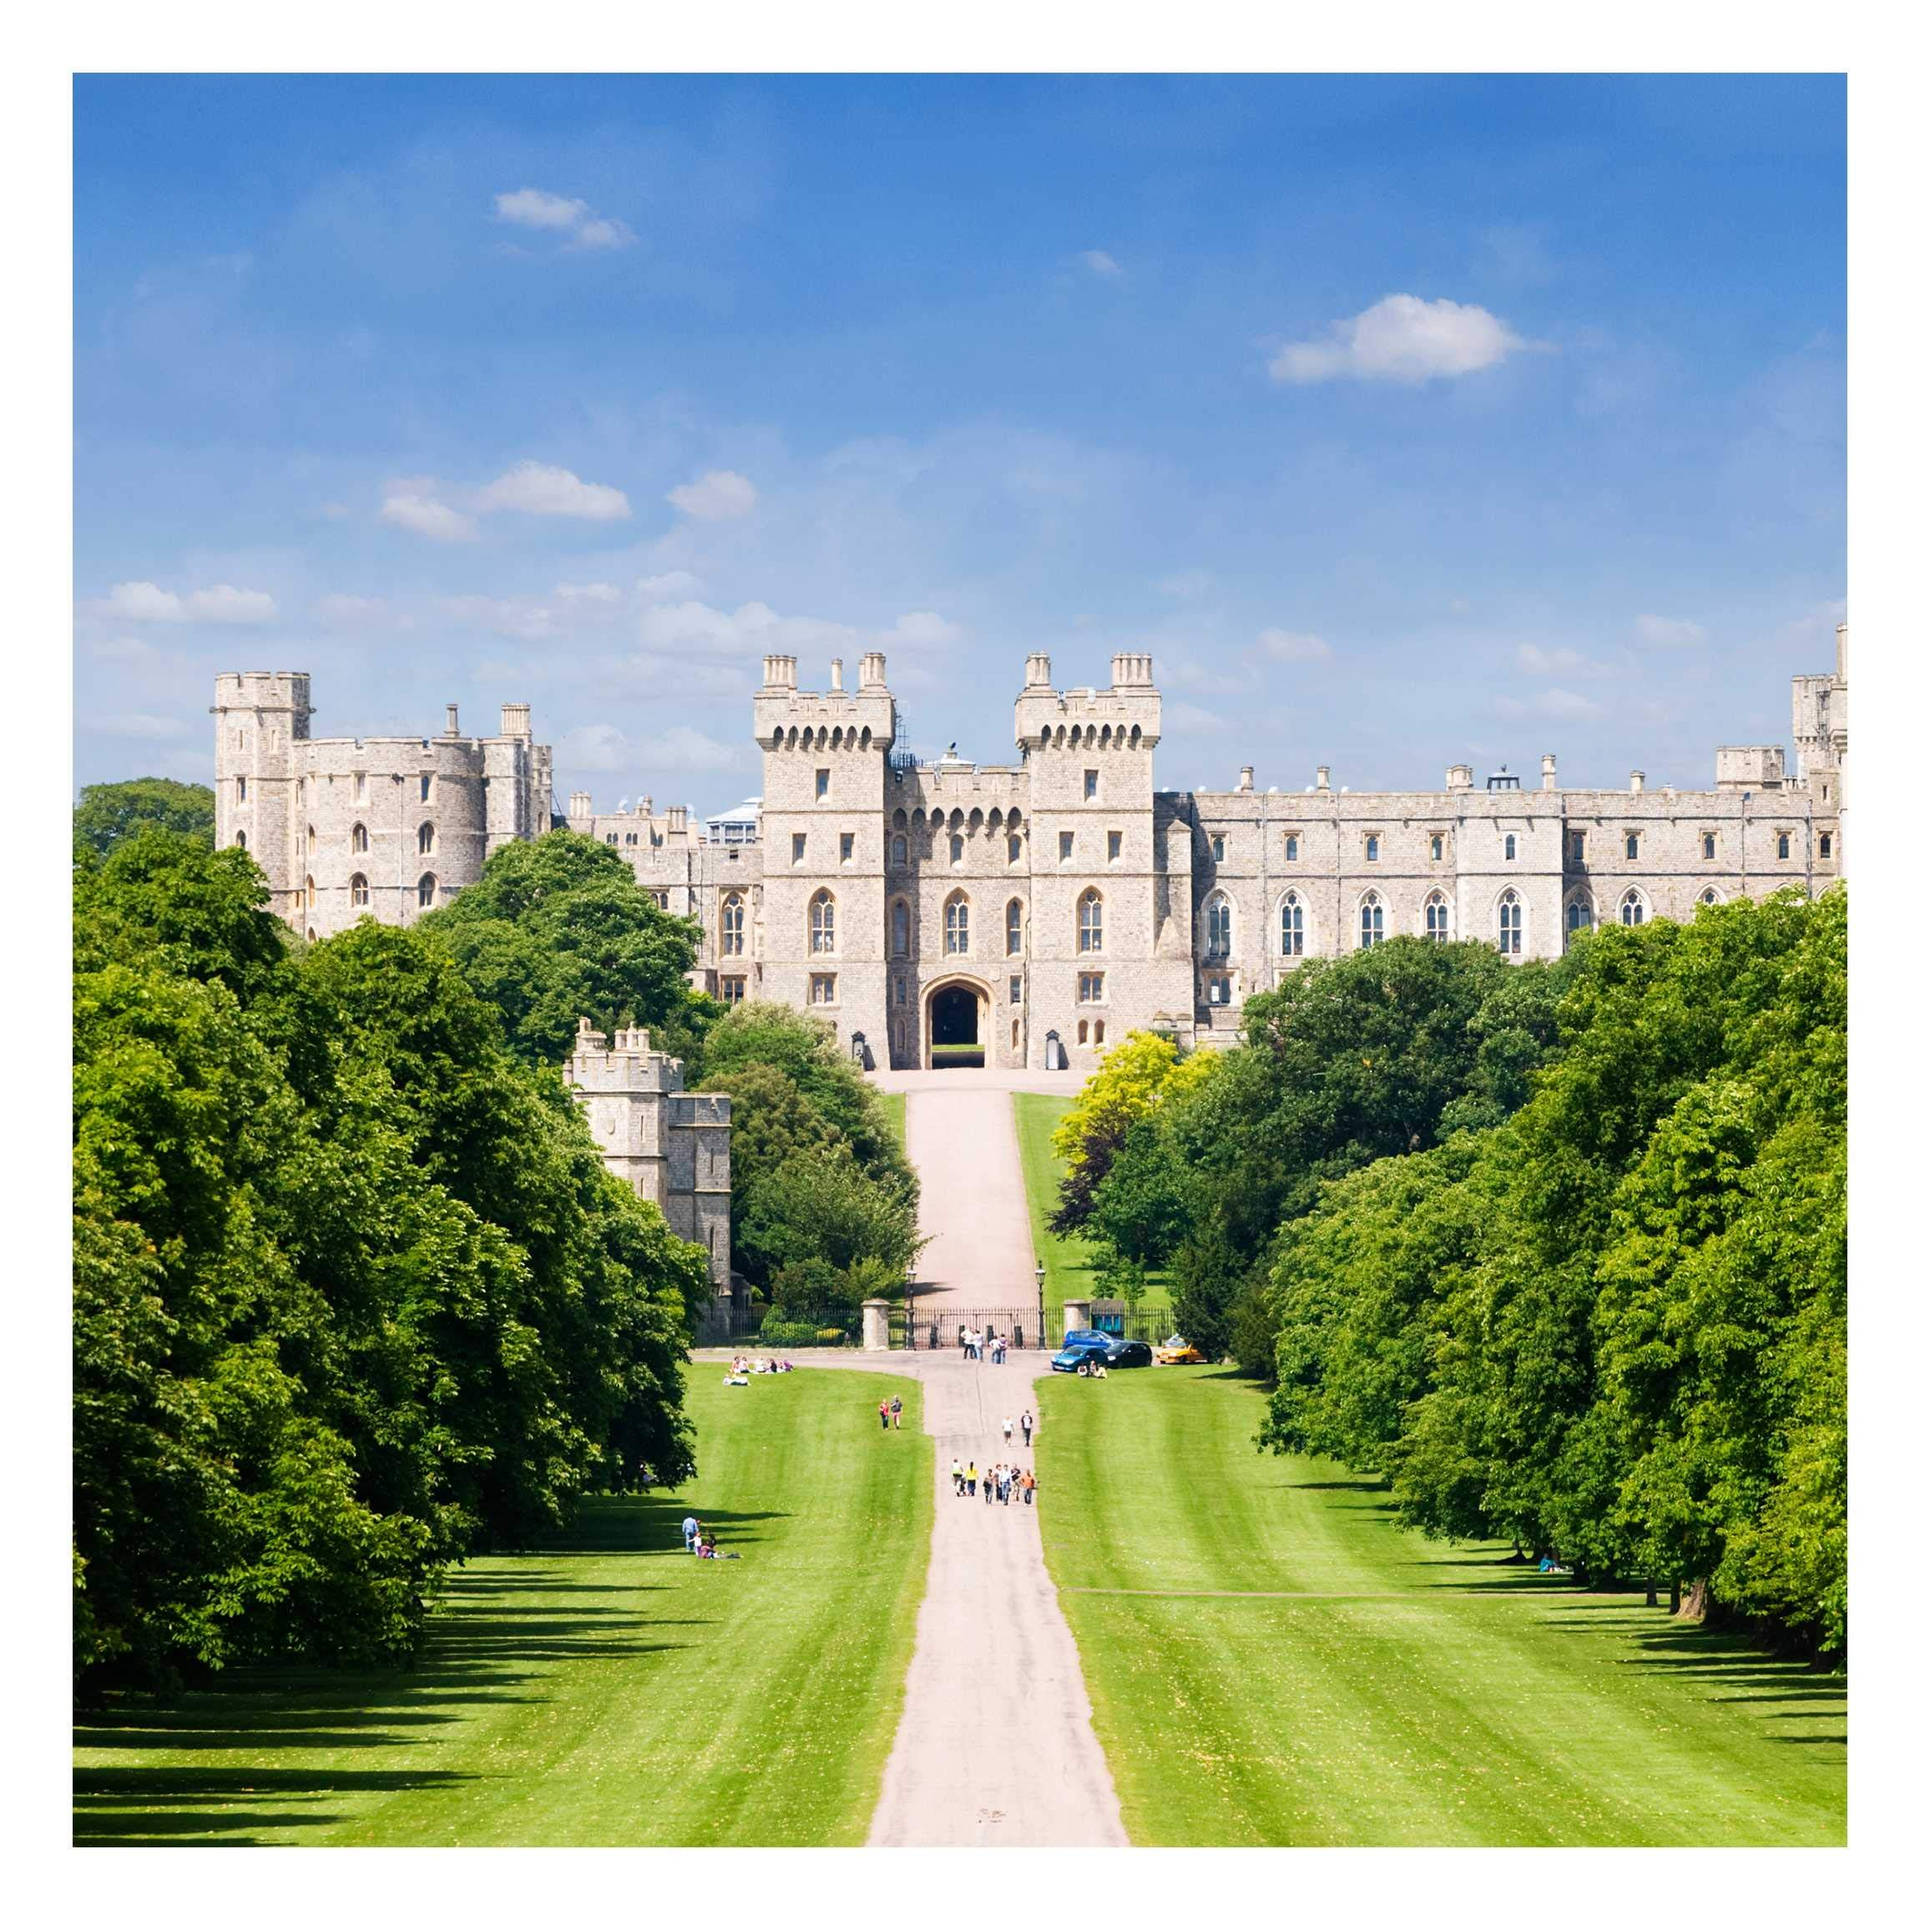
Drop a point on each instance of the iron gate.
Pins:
(939, 1329)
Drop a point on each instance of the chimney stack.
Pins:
(1246, 780)
(1039, 670)
(516, 717)
(1636, 781)
(777, 670)
(1549, 773)
(837, 687)
(1322, 779)
(873, 672)
(453, 721)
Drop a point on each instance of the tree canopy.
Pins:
(557, 928)
(352, 1291)
(106, 815)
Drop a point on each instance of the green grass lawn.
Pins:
(894, 1107)
(1364, 1686)
(612, 1690)
(1072, 1269)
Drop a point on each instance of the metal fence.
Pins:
(1024, 1327)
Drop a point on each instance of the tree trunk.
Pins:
(1653, 1592)
(1694, 1606)
(1673, 1599)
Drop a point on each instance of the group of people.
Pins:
(739, 1373)
(889, 1412)
(703, 1541)
(1004, 1483)
(976, 1345)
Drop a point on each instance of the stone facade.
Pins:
(388, 827)
(1036, 912)
(672, 1147)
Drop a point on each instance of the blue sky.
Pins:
(1403, 420)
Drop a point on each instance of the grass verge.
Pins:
(1272, 1661)
(611, 1690)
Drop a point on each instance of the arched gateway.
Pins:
(956, 1022)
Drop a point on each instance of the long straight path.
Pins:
(996, 1744)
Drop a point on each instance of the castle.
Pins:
(1027, 915)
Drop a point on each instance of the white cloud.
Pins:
(594, 593)
(1095, 260)
(529, 487)
(552, 213)
(421, 513)
(687, 750)
(519, 619)
(1277, 643)
(1402, 338)
(1189, 719)
(123, 647)
(594, 749)
(719, 495)
(692, 627)
(138, 726)
(224, 605)
(922, 631)
(231, 606)
(1656, 630)
(348, 609)
(1545, 660)
(662, 586)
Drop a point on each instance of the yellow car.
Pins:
(1177, 1353)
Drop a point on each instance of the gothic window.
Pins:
(1293, 846)
(1783, 846)
(1219, 926)
(1090, 928)
(1099, 1033)
(613, 839)
(1826, 846)
(1373, 846)
(427, 889)
(1633, 846)
(956, 848)
(820, 923)
(1090, 786)
(1512, 846)
(1093, 988)
(357, 889)
(359, 836)
(1113, 848)
(733, 924)
(957, 923)
(822, 780)
(240, 840)
(1013, 848)
(1577, 847)
(1436, 846)
(426, 786)
(1373, 921)
(1709, 845)
(899, 849)
(313, 894)
(1579, 913)
(1293, 927)
(1015, 930)
(846, 849)
(1709, 898)
(902, 929)
(1437, 918)
(1633, 910)
(426, 836)
(1066, 846)
(1083, 1033)
(1217, 846)
(1510, 922)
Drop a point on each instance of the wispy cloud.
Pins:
(1545, 660)
(419, 512)
(1185, 718)
(718, 495)
(1278, 643)
(553, 213)
(530, 487)
(1554, 703)
(221, 605)
(1401, 338)
(1097, 261)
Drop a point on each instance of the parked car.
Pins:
(1110, 1350)
(1179, 1353)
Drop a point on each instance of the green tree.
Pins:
(556, 930)
(106, 815)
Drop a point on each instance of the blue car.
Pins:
(1109, 1349)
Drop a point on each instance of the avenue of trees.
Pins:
(353, 1295)
(1558, 1249)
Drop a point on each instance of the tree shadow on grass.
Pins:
(638, 1523)
(148, 1806)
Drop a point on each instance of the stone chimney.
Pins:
(873, 672)
(516, 717)
(453, 721)
(1322, 779)
(777, 670)
(835, 685)
(1549, 773)
(1039, 670)
(1246, 780)
(1636, 781)
(579, 806)
(1459, 779)
(1132, 670)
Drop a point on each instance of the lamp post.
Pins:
(912, 1270)
(1040, 1299)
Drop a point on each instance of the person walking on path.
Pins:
(883, 1414)
(1026, 1426)
(690, 1533)
(1027, 1485)
(973, 1480)
(959, 1478)
(894, 1409)
(1006, 1429)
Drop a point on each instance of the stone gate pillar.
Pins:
(874, 1316)
(1077, 1316)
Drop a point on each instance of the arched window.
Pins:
(311, 838)
(1219, 927)
(313, 894)
(1083, 1033)
(1633, 910)
(1090, 931)
(820, 923)
(955, 848)
(426, 836)
(427, 889)
(357, 889)
(1709, 898)
(899, 849)
(1512, 846)
(1373, 846)
(1016, 929)
(957, 923)
(902, 929)
(359, 836)
(1579, 913)
(1437, 918)
(1510, 922)
(240, 840)
(1013, 848)
(1293, 927)
(1373, 921)
(733, 924)
(1099, 1033)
